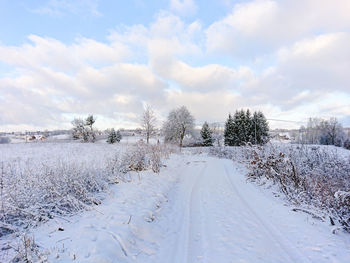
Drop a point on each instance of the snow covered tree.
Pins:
(206, 134)
(89, 121)
(229, 131)
(78, 130)
(148, 122)
(82, 129)
(319, 131)
(261, 128)
(118, 136)
(180, 123)
(332, 132)
(112, 136)
(217, 133)
(243, 128)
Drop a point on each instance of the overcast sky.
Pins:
(61, 59)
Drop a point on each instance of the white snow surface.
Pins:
(198, 209)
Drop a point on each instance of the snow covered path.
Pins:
(198, 209)
(218, 217)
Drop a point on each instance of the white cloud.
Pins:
(259, 26)
(294, 74)
(305, 72)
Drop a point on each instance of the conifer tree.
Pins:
(260, 128)
(119, 136)
(229, 130)
(263, 134)
(244, 128)
(206, 134)
(238, 133)
(112, 136)
(255, 128)
(249, 126)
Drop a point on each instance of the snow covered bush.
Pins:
(36, 187)
(41, 181)
(28, 251)
(308, 175)
(137, 158)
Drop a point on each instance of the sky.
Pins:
(61, 59)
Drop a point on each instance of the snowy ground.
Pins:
(198, 209)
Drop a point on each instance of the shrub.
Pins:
(315, 176)
(36, 185)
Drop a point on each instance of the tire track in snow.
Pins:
(185, 249)
(275, 234)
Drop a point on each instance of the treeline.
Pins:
(324, 132)
(240, 128)
(244, 127)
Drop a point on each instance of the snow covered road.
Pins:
(218, 217)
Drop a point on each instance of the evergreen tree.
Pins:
(249, 126)
(244, 128)
(206, 134)
(238, 134)
(261, 128)
(264, 129)
(112, 136)
(255, 128)
(229, 130)
(119, 136)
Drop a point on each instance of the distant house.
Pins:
(32, 138)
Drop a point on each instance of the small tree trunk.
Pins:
(182, 137)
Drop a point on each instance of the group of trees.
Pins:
(242, 128)
(326, 132)
(82, 129)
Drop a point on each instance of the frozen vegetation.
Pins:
(84, 202)
(314, 177)
(41, 181)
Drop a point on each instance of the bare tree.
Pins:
(180, 123)
(332, 132)
(148, 122)
(320, 131)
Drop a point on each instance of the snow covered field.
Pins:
(197, 209)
